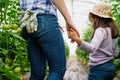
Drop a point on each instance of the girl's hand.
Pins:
(73, 35)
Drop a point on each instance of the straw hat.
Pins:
(102, 10)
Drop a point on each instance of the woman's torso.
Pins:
(42, 6)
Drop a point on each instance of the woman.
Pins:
(46, 43)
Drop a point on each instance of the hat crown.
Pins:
(102, 9)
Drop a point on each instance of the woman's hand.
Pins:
(74, 37)
(70, 26)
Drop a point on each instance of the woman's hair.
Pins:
(103, 22)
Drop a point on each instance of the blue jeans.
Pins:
(104, 71)
(46, 45)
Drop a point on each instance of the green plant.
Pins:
(12, 53)
(67, 50)
(9, 11)
(12, 46)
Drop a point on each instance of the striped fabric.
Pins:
(42, 6)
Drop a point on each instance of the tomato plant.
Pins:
(12, 45)
(12, 51)
(9, 11)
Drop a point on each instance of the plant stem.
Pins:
(6, 7)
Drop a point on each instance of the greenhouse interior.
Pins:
(14, 58)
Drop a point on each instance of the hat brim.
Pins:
(103, 16)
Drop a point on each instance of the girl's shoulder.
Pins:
(103, 30)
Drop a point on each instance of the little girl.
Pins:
(104, 43)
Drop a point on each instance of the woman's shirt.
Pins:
(42, 6)
(102, 47)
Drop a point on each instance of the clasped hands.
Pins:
(73, 34)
